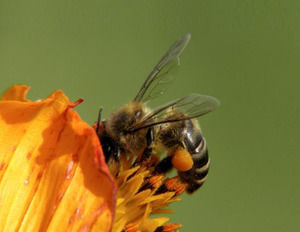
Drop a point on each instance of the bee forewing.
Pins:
(174, 51)
(191, 106)
(157, 80)
(196, 105)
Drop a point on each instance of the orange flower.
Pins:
(53, 175)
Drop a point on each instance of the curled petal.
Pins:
(17, 93)
(53, 176)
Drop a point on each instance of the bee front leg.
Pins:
(148, 150)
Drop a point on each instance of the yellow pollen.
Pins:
(139, 196)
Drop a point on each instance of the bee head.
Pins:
(120, 123)
(126, 117)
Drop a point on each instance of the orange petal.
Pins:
(17, 92)
(53, 174)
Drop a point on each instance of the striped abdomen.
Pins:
(195, 144)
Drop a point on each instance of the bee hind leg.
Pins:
(164, 166)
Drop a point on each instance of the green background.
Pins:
(245, 53)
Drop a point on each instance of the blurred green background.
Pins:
(245, 53)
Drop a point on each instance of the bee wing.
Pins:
(191, 106)
(156, 81)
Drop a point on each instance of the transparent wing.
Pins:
(158, 79)
(191, 106)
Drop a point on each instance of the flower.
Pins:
(140, 194)
(53, 175)
(52, 172)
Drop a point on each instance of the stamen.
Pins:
(172, 227)
(152, 183)
(131, 227)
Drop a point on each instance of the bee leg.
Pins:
(111, 152)
(148, 150)
(116, 154)
(110, 149)
(150, 136)
(113, 161)
(164, 165)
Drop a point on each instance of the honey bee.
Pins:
(136, 129)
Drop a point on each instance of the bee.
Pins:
(137, 129)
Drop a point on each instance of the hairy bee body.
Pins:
(187, 135)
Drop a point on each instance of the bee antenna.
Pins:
(98, 121)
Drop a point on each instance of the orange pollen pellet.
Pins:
(182, 160)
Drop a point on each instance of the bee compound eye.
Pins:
(138, 113)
